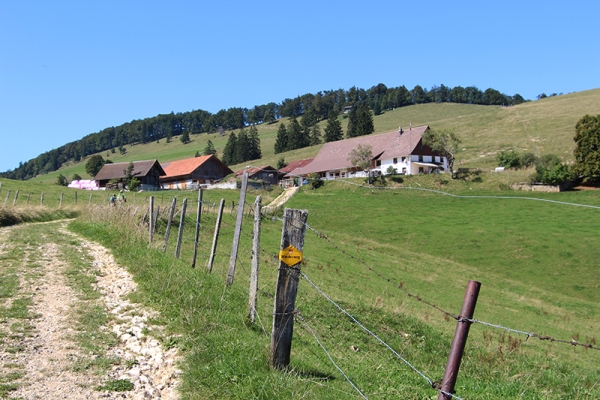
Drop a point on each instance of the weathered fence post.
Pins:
(61, 199)
(6, 198)
(76, 197)
(238, 230)
(28, 196)
(90, 201)
(156, 214)
(255, 259)
(292, 245)
(151, 221)
(42, 199)
(180, 233)
(460, 340)
(198, 214)
(213, 249)
(169, 222)
(16, 197)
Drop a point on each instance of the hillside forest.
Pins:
(310, 108)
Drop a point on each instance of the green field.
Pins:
(536, 261)
(542, 127)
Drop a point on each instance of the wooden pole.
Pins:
(196, 238)
(287, 286)
(16, 197)
(238, 230)
(90, 201)
(180, 233)
(156, 214)
(28, 196)
(213, 249)
(169, 222)
(151, 221)
(460, 339)
(6, 198)
(61, 199)
(255, 259)
(42, 199)
(76, 197)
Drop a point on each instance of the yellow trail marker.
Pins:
(290, 256)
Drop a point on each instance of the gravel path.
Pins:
(47, 351)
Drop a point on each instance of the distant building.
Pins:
(287, 179)
(193, 172)
(266, 174)
(404, 151)
(147, 172)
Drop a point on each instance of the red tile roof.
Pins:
(296, 164)
(188, 166)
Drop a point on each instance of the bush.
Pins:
(134, 184)
(549, 170)
(508, 159)
(315, 180)
(527, 160)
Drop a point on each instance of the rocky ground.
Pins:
(40, 362)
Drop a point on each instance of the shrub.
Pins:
(508, 159)
(315, 180)
(528, 160)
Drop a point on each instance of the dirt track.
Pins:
(40, 357)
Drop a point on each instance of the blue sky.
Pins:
(71, 68)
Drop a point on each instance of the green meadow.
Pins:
(542, 127)
(536, 261)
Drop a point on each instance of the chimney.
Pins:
(400, 131)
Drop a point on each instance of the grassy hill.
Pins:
(543, 126)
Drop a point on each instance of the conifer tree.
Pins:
(229, 154)
(352, 123)
(297, 137)
(365, 124)
(209, 149)
(315, 135)
(333, 130)
(242, 147)
(281, 142)
(255, 151)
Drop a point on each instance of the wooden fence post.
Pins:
(42, 199)
(255, 259)
(76, 197)
(460, 339)
(169, 222)
(156, 214)
(6, 198)
(287, 286)
(61, 199)
(180, 233)
(151, 221)
(213, 249)
(198, 214)
(238, 230)
(16, 197)
(28, 195)
(90, 201)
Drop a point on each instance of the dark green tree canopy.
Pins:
(444, 142)
(94, 165)
(587, 150)
(333, 130)
(209, 149)
(281, 142)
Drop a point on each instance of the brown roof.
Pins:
(189, 165)
(296, 164)
(253, 170)
(334, 155)
(117, 170)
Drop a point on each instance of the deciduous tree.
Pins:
(94, 165)
(360, 157)
(444, 142)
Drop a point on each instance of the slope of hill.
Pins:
(542, 127)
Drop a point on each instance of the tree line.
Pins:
(311, 107)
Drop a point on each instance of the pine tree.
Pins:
(255, 151)
(229, 153)
(242, 147)
(185, 137)
(333, 130)
(365, 124)
(352, 123)
(315, 135)
(281, 142)
(297, 137)
(209, 149)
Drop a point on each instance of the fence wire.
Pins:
(431, 383)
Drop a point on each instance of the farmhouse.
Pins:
(288, 180)
(266, 174)
(401, 151)
(192, 172)
(114, 175)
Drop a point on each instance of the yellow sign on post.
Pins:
(290, 256)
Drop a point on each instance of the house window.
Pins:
(404, 170)
(403, 159)
(378, 163)
(395, 161)
(421, 170)
(421, 159)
